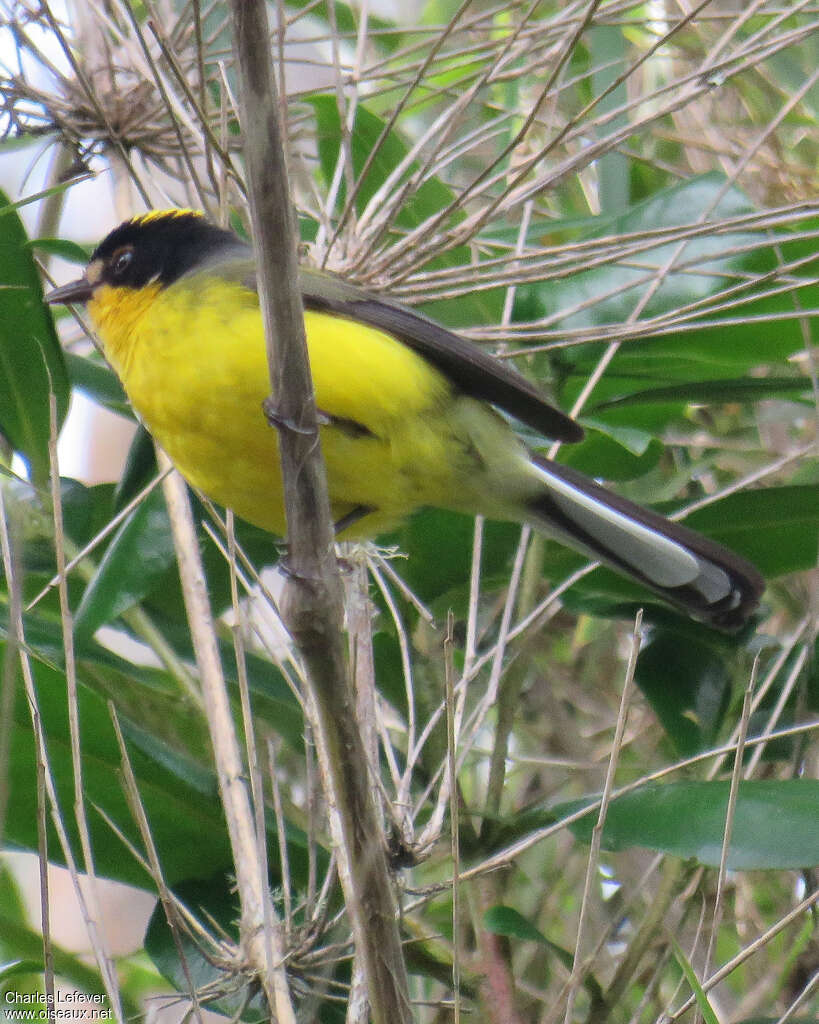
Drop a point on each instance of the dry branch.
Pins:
(314, 609)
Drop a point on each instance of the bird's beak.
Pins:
(78, 292)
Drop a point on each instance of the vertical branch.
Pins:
(96, 931)
(454, 817)
(262, 945)
(578, 968)
(16, 645)
(314, 611)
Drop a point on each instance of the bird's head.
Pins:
(154, 248)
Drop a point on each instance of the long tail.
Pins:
(702, 578)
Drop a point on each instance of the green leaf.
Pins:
(12, 903)
(186, 820)
(140, 467)
(502, 920)
(703, 1003)
(777, 528)
(86, 510)
(83, 174)
(62, 247)
(215, 903)
(633, 439)
(686, 678)
(438, 546)
(260, 547)
(98, 381)
(609, 293)
(212, 901)
(370, 134)
(776, 824)
(137, 557)
(602, 455)
(609, 54)
(16, 967)
(742, 389)
(31, 360)
(367, 130)
(706, 265)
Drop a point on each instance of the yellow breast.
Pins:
(192, 359)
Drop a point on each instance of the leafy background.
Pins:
(621, 198)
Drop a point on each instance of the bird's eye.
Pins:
(121, 261)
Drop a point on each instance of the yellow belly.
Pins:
(193, 362)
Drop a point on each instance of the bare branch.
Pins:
(314, 603)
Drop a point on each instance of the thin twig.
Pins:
(263, 947)
(153, 863)
(578, 965)
(454, 817)
(730, 812)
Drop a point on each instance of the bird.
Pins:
(411, 414)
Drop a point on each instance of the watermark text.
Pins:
(64, 1005)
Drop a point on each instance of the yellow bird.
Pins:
(409, 411)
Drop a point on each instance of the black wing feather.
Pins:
(470, 369)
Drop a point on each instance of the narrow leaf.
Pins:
(137, 557)
(31, 360)
(703, 1003)
(776, 824)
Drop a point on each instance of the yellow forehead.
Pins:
(174, 211)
